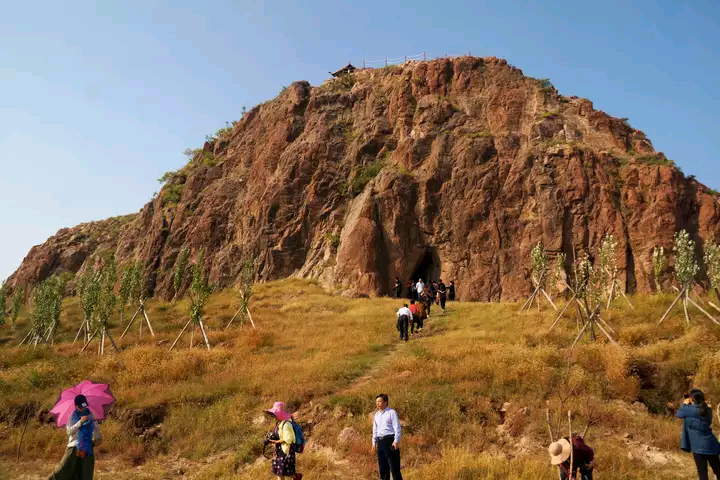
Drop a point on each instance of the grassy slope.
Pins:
(338, 353)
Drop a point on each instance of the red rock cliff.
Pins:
(476, 162)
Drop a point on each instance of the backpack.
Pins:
(299, 437)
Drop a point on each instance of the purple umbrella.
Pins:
(98, 395)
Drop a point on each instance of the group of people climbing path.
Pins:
(574, 458)
(422, 296)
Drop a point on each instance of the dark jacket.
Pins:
(583, 455)
(697, 435)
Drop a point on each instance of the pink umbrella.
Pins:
(98, 395)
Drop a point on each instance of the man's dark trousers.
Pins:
(388, 459)
(403, 324)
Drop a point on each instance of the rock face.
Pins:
(452, 168)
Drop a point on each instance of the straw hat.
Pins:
(559, 451)
(278, 411)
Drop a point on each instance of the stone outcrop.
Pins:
(452, 168)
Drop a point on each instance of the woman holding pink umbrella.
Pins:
(78, 463)
(78, 409)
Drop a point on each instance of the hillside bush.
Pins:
(363, 176)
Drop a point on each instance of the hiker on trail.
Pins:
(442, 295)
(451, 291)
(416, 320)
(404, 317)
(582, 458)
(433, 289)
(398, 287)
(83, 433)
(697, 434)
(426, 301)
(412, 290)
(283, 464)
(386, 439)
(420, 287)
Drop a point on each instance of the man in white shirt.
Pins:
(404, 317)
(420, 287)
(386, 439)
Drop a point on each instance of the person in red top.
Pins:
(583, 458)
(416, 322)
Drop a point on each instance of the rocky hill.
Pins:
(453, 167)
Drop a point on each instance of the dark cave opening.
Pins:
(428, 268)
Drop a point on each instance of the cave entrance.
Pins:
(428, 268)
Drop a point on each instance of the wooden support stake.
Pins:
(148, 321)
(687, 317)
(233, 318)
(563, 311)
(547, 417)
(606, 334)
(530, 299)
(580, 334)
(130, 323)
(548, 298)
(671, 307)
(178, 337)
(24, 339)
(571, 441)
(250, 317)
(703, 310)
(204, 334)
(88, 341)
(714, 306)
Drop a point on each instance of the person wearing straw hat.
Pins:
(283, 465)
(582, 458)
(697, 434)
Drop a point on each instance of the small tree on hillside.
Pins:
(179, 271)
(538, 276)
(3, 302)
(247, 274)
(105, 305)
(89, 292)
(200, 290)
(58, 284)
(126, 279)
(587, 287)
(660, 263)
(608, 271)
(47, 304)
(686, 268)
(712, 264)
(17, 301)
(137, 288)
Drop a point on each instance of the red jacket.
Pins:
(414, 309)
(582, 456)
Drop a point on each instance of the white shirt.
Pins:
(386, 423)
(72, 432)
(420, 287)
(405, 311)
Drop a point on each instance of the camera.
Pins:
(269, 437)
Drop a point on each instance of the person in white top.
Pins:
(386, 439)
(404, 317)
(83, 436)
(420, 287)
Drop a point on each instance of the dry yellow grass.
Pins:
(330, 356)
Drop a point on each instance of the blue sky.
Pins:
(97, 100)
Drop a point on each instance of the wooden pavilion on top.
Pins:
(349, 68)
